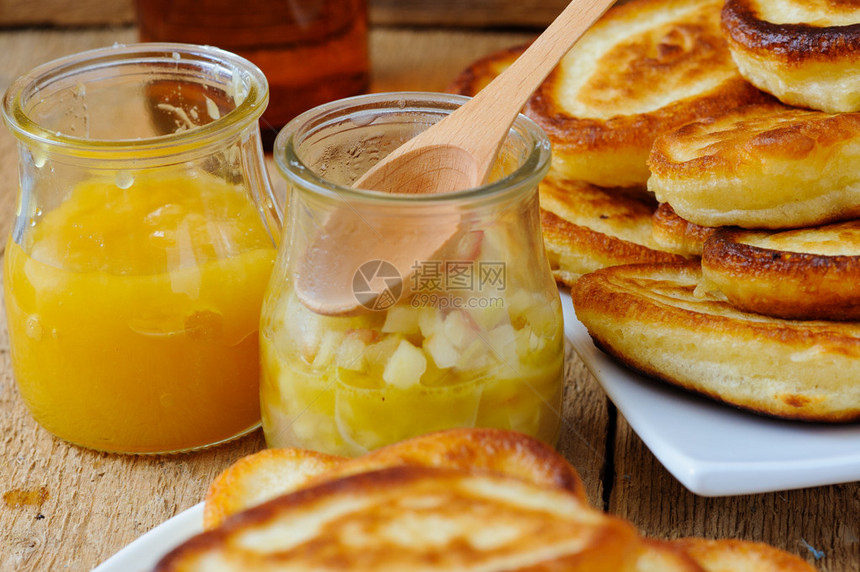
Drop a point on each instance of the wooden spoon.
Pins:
(455, 153)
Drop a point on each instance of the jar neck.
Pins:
(325, 150)
(94, 106)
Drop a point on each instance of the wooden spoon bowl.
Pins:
(454, 154)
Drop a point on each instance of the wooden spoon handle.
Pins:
(506, 95)
(481, 125)
(474, 132)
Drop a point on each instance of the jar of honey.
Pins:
(312, 51)
(392, 315)
(145, 234)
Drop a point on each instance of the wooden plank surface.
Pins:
(66, 12)
(453, 13)
(821, 524)
(473, 13)
(66, 508)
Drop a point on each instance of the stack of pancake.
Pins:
(680, 146)
(463, 499)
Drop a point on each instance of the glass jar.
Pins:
(144, 236)
(469, 334)
(312, 51)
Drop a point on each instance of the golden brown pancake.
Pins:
(586, 227)
(256, 478)
(741, 556)
(645, 67)
(482, 71)
(674, 234)
(459, 499)
(763, 166)
(416, 519)
(652, 318)
(802, 274)
(269, 473)
(665, 556)
(805, 52)
(496, 450)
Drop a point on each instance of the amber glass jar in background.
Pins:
(311, 51)
(144, 238)
(472, 336)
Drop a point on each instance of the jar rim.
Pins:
(526, 175)
(254, 98)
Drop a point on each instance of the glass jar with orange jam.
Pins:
(144, 237)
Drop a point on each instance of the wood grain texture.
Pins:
(585, 426)
(454, 13)
(819, 524)
(66, 12)
(474, 13)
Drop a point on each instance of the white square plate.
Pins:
(714, 449)
(143, 554)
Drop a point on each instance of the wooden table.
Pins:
(66, 508)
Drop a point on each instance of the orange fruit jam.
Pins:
(133, 314)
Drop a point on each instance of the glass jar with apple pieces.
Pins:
(470, 335)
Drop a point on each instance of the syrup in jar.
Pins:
(311, 51)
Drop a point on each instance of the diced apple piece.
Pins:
(429, 321)
(545, 318)
(536, 342)
(476, 356)
(350, 354)
(309, 428)
(327, 352)
(402, 320)
(405, 366)
(489, 317)
(442, 351)
(523, 341)
(366, 335)
(377, 355)
(520, 304)
(458, 329)
(503, 341)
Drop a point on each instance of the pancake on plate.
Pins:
(262, 476)
(482, 71)
(476, 449)
(664, 556)
(269, 473)
(674, 234)
(458, 499)
(802, 274)
(761, 166)
(586, 227)
(724, 555)
(416, 519)
(645, 67)
(653, 318)
(806, 53)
